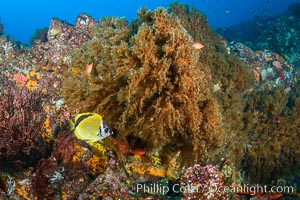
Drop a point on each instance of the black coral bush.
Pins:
(148, 84)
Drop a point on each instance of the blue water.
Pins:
(21, 18)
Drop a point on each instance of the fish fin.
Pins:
(72, 125)
(90, 142)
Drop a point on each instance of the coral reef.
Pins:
(195, 23)
(61, 38)
(200, 182)
(269, 116)
(20, 79)
(40, 35)
(272, 127)
(279, 33)
(40, 181)
(110, 184)
(230, 79)
(51, 53)
(135, 82)
(22, 117)
(55, 175)
(175, 93)
(270, 69)
(254, 109)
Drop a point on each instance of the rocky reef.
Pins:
(279, 33)
(198, 182)
(188, 109)
(269, 113)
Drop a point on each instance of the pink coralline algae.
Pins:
(20, 79)
(203, 183)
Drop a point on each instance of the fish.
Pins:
(90, 127)
(256, 75)
(1, 26)
(88, 68)
(126, 149)
(274, 196)
(198, 45)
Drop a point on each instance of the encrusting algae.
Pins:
(150, 85)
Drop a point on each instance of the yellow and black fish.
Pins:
(90, 127)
